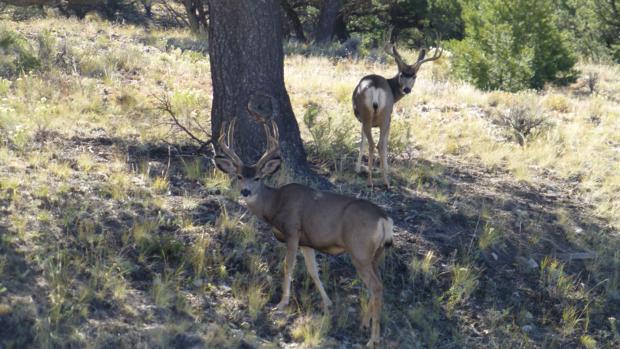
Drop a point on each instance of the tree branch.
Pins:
(166, 106)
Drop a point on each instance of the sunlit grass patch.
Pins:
(193, 169)
(61, 170)
(588, 342)
(311, 330)
(160, 185)
(38, 160)
(164, 289)
(216, 179)
(258, 295)
(489, 237)
(556, 282)
(557, 102)
(424, 268)
(464, 282)
(198, 254)
(118, 185)
(9, 187)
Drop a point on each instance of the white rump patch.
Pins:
(373, 96)
(385, 231)
(364, 84)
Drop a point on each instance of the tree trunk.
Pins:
(246, 55)
(202, 15)
(294, 20)
(148, 8)
(330, 22)
(190, 10)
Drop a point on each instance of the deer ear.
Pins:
(270, 167)
(225, 165)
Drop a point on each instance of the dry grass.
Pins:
(109, 236)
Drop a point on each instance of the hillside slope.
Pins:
(116, 233)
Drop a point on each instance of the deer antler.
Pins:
(391, 50)
(436, 55)
(271, 130)
(225, 139)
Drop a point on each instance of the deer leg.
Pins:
(383, 148)
(376, 259)
(289, 267)
(371, 150)
(310, 258)
(365, 273)
(376, 304)
(375, 287)
(358, 165)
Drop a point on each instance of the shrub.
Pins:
(558, 103)
(592, 79)
(47, 49)
(512, 46)
(522, 119)
(16, 54)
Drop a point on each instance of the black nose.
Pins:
(406, 90)
(245, 192)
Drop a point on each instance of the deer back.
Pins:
(325, 221)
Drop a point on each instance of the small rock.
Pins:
(527, 262)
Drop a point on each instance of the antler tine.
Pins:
(391, 50)
(276, 131)
(273, 148)
(437, 54)
(224, 141)
(387, 46)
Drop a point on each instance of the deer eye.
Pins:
(239, 177)
(256, 179)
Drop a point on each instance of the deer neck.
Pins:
(261, 203)
(395, 87)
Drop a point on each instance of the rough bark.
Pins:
(331, 23)
(246, 55)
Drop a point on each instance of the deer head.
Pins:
(249, 178)
(407, 73)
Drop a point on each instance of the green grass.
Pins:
(310, 330)
(97, 250)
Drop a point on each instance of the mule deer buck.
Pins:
(373, 101)
(311, 220)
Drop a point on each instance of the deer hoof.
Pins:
(281, 306)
